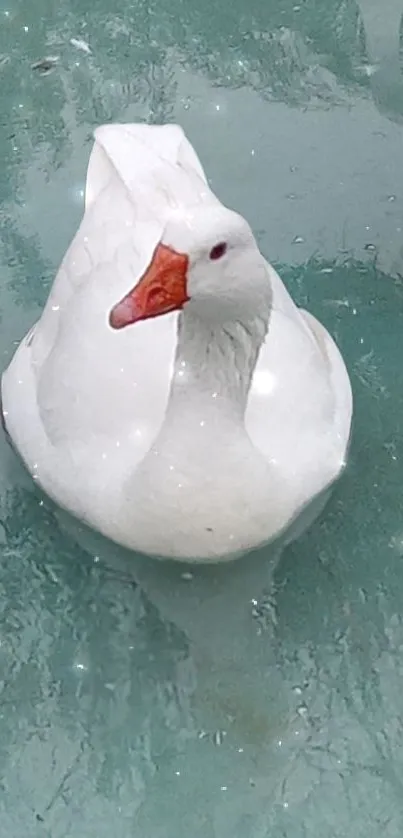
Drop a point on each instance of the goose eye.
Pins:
(218, 250)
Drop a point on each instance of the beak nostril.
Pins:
(156, 295)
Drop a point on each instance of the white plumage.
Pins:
(197, 434)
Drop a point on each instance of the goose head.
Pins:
(207, 262)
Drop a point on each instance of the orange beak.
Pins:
(162, 288)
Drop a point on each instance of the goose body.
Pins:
(172, 396)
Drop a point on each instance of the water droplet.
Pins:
(219, 737)
(79, 43)
(298, 240)
(45, 65)
(187, 576)
(370, 247)
(391, 198)
(367, 70)
(302, 710)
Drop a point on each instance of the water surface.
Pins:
(248, 704)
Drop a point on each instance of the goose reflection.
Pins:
(115, 685)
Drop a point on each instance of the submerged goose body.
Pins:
(171, 395)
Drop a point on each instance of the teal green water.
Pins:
(240, 703)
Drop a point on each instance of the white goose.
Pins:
(171, 395)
